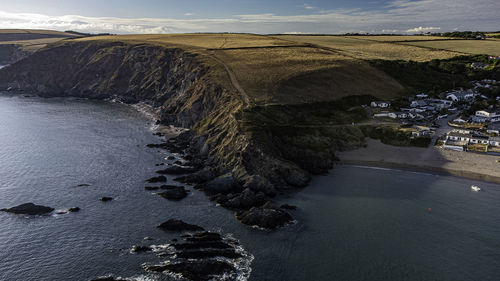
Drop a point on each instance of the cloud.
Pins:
(309, 7)
(422, 29)
(410, 16)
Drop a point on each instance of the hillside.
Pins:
(18, 43)
(265, 113)
(276, 71)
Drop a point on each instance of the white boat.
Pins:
(475, 188)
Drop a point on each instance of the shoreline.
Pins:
(421, 169)
(431, 160)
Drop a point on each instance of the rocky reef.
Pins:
(233, 158)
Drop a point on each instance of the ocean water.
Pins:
(356, 223)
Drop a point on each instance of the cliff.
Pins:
(257, 151)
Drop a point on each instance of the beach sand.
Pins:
(432, 159)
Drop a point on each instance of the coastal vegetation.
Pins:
(436, 76)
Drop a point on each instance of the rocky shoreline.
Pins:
(235, 169)
(251, 201)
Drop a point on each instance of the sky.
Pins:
(255, 16)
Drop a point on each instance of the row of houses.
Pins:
(482, 116)
(459, 139)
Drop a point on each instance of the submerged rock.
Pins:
(109, 278)
(74, 209)
(83, 184)
(177, 170)
(151, 188)
(267, 216)
(157, 179)
(106, 199)
(141, 249)
(29, 209)
(195, 269)
(179, 225)
(173, 192)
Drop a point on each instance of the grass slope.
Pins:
(365, 47)
(488, 46)
(276, 71)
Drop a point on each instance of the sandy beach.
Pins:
(432, 159)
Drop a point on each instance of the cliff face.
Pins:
(10, 53)
(256, 152)
(171, 80)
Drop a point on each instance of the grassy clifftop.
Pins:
(275, 71)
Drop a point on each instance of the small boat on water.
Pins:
(475, 188)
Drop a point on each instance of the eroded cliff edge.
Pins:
(251, 153)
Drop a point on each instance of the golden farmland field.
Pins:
(488, 46)
(200, 40)
(304, 74)
(365, 48)
(292, 69)
(400, 38)
(272, 70)
(31, 40)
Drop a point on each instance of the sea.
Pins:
(356, 223)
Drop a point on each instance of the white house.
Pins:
(456, 136)
(486, 116)
(476, 139)
(381, 104)
(421, 131)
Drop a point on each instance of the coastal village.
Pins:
(459, 119)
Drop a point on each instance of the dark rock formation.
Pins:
(178, 225)
(246, 200)
(151, 187)
(199, 257)
(173, 192)
(106, 199)
(83, 184)
(201, 176)
(223, 184)
(141, 249)
(29, 209)
(157, 179)
(288, 207)
(195, 269)
(74, 209)
(177, 170)
(267, 216)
